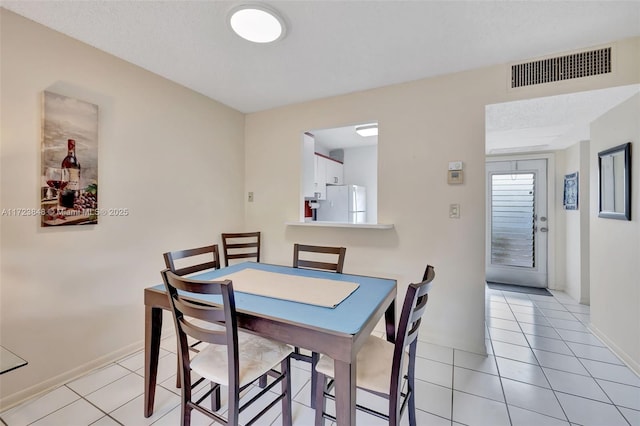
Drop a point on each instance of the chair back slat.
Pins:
(412, 334)
(421, 305)
(198, 311)
(241, 245)
(216, 337)
(312, 264)
(317, 263)
(210, 253)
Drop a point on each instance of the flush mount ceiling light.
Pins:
(367, 130)
(257, 23)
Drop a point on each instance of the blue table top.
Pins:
(348, 317)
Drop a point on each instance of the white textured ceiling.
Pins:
(550, 123)
(332, 47)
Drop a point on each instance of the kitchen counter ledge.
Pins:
(342, 225)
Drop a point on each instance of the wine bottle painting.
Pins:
(69, 183)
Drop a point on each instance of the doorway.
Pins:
(517, 222)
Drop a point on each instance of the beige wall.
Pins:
(71, 298)
(413, 152)
(615, 244)
(177, 161)
(423, 125)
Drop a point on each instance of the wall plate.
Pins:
(454, 211)
(455, 177)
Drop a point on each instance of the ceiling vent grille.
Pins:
(576, 65)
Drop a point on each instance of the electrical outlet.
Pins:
(250, 198)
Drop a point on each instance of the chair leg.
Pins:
(394, 414)
(315, 357)
(285, 366)
(215, 397)
(320, 402)
(412, 407)
(178, 370)
(410, 383)
(186, 401)
(186, 414)
(233, 409)
(263, 382)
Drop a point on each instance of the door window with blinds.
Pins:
(512, 217)
(516, 201)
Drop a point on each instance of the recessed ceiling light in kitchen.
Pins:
(367, 130)
(257, 23)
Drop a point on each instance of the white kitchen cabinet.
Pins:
(327, 172)
(320, 177)
(335, 172)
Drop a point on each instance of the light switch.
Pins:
(454, 211)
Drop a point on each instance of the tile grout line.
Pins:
(95, 406)
(59, 408)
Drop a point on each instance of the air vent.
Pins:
(576, 65)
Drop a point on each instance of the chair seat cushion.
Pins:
(374, 363)
(257, 355)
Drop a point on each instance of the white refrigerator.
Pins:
(344, 203)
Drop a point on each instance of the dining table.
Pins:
(287, 316)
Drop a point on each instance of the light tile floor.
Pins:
(544, 368)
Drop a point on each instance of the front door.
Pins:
(517, 222)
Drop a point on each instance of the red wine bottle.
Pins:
(71, 163)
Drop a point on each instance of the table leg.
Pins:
(345, 385)
(152, 330)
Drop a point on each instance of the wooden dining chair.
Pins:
(318, 258)
(194, 260)
(189, 261)
(302, 258)
(382, 366)
(241, 245)
(427, 271)
(232, 359)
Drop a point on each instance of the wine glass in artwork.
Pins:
(57, 178)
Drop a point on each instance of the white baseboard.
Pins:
(626, 358)
(59, 380)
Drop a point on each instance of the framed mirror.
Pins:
(614, 167)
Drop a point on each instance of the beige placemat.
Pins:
(313, 291)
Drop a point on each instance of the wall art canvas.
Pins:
(571, 191)
(69, 174)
